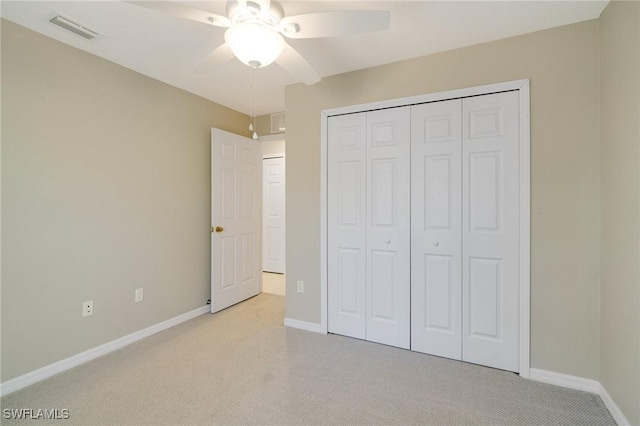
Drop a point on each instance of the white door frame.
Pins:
(525, 194)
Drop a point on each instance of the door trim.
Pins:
(522, 86)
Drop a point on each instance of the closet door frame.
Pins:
(522, 86)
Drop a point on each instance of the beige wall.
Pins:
(273, 144)
(105, 188)
(562, 64)
(620, 138)
(263, 125)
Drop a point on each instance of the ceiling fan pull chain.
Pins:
(253, 103)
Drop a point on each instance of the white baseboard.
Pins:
(613, 408)
(580, 383)
(75, 360)
(564, 380)
(303, 325)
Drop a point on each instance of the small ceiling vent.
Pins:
(74, 27)
(277, 123)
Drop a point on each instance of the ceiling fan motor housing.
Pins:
(253, 11)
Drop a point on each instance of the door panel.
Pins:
(485, 288)
(274, 214)
(485, 191)
(388, 227)
(235, 201)
(383, 280)
(249, 249)
(348, 291)
(490, 194)
(249, 180)
(384, 181)
(436, 304)
(349, 209)
(228, 190)
(346, 219)
(227, 261)
(439, 289)
(438, 190)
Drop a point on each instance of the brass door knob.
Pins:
(219, 229)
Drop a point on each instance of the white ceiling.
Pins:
(168, 48)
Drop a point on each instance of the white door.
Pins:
(347, 225)
(436, 237)
(369, 226)
(236, 238)
(424, 228)
(273, 205)
(388, 236)
(490, 230)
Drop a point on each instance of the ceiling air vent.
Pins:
(277, 123)
(74, 27)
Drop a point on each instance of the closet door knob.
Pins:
(387, 241)
(436, 244)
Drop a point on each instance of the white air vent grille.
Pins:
(74, 27)
(277, 123)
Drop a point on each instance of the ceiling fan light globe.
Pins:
(254, 44)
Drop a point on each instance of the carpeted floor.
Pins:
(242, 366)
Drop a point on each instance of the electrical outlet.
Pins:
(300, 286)
(87, 308)
(139, 296)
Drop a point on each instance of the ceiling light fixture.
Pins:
(254, 44)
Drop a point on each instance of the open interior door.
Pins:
(236, 219)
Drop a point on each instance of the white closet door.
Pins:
(273, 206)
(490, 209)
(388, 227)
(436, 269)
(347, 227)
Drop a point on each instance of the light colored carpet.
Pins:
(273, 283)
(242, 366)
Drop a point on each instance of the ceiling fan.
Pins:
(255, 32)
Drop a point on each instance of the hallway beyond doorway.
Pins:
(273, 283)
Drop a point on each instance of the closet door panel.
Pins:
(436, 299)
(347, 224)
(490, 206)
(388, 227)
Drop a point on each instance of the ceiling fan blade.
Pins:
(293, 63)
(214, 59)
(332, 24)
(176, 9)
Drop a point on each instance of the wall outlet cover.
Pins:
(87, 308)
